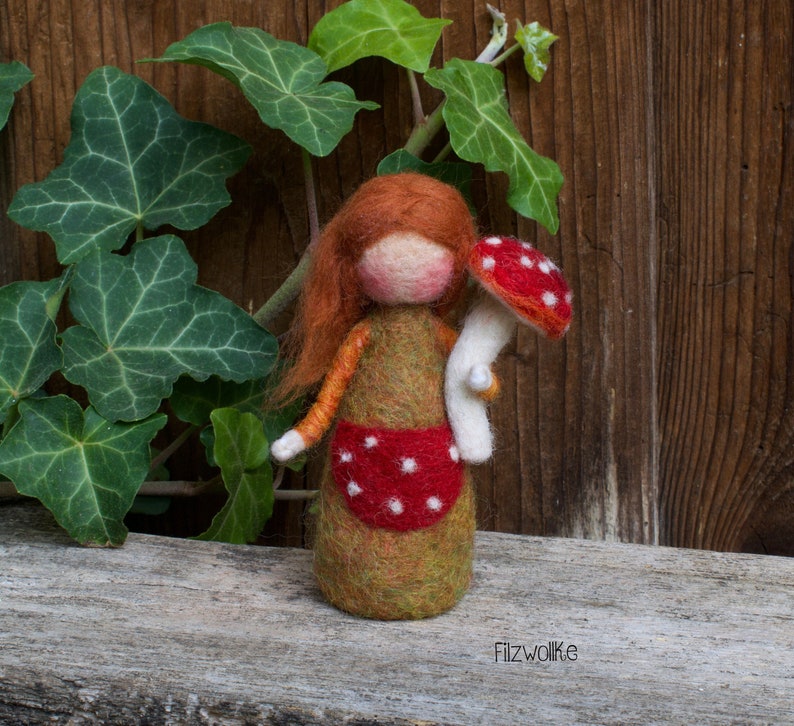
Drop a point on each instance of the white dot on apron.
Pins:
(395, 506)
(433, 504)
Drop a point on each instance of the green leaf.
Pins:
(391, 29)
(132, 162)
(29, 354)
(481, 130)
(144, 322)
(283, 81)
(536, 41)
(241, 450)
(13, 76)
(83, 468)
(193, 401)
(453, 173)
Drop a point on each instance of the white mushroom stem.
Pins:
(487, 329)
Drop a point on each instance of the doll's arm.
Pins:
(316, 422)
(481, 380)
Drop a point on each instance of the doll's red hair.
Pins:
(332, 301)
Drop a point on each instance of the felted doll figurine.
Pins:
(395, 523)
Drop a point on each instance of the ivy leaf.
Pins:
(283, 81)
(241, 451)
(29, 354)
(83, 468)
(391, 29)
(13, 76)
(132, 161)
(536, 41)
(144, 322)
(482, 131)
(193, 401)
(453, 173)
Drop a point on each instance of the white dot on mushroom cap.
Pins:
(408, 466)
(434, 504)
(353, 489)
(493, 241)
(569, 297)
(526, 262)
(345, 456)
(488, 263)
(395, 506)
(527, 246)
(371, 442)
(454, 454)
(545, 266)
(549, 299)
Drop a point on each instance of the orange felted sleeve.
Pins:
(490, 393)
(321, 414)
(446, 335)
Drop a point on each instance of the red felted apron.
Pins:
(396, 478)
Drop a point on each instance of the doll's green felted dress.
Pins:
(395, 522)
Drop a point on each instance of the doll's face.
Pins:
(405, 268)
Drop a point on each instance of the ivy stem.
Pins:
(180, 489)
(498, 36)
(165, 454)
(504, 56)
(443, 154)
(425, 131)
(416, 99)
(311, 198)
(296, 494)
(281, 299)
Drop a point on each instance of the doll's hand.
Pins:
(482, 382)
(480, 378)
(288, 446)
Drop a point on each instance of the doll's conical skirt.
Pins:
(387, 574)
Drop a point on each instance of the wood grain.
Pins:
(726, 209)
(665, 415)
(169, 631)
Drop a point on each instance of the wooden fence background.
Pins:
(665, 416)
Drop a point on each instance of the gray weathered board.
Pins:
(167, 631)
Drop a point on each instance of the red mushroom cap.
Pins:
(524, 280)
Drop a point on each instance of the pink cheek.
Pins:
(436, 280)
(376, 285)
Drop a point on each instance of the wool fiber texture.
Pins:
(396, 478)
(390, 575)
(379, 572)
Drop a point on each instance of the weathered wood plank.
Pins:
(173, 631)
